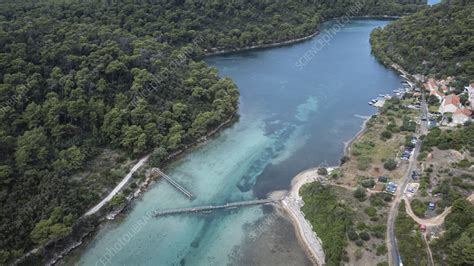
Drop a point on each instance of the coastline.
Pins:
(292, 204)
(316, 252)
(348, 144)
(217, 51)
(73, 241)
(260, 46)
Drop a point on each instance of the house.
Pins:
(438, 95)
(445, 89)
(450, 104)
(431, 85)
(391, 187)
(470, 93)
(461, 116)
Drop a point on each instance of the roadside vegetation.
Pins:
(456, 244)
(459, 139)
(447, 180)
(410, 242)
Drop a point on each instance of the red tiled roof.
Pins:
(452, 99)
(463, 111)
(432, 83)
(437, 93)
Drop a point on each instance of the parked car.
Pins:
(431, 206)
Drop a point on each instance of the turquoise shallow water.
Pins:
(293, 116)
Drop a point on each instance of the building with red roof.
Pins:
(450, 104)
(461, 116)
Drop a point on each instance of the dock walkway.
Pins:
(215, 207)
(174, 183)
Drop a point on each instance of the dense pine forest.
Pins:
(78, 78)
(437, 41)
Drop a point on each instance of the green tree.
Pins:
(32, 149)
(390, 164)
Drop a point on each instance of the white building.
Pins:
(461, 116)
(470, 92)
(450, 104)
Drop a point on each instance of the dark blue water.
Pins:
(298, 106)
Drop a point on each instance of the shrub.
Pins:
(363, 163)
(345, 256)
(386, 135)
(364, 236)
(360, 226)
(352, 235)
(390, 164)
(360, 194)
(377, 200)
(418, 207)
(344, 159)
(368, 183)
(464, 163)
(381, 250)
(371, 211)
(379, 230)
(422, 156)
(387, 197)
(322, 171)
(359, 242)
(335, 174)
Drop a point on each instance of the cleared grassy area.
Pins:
(383, 139)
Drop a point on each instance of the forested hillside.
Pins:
(78, 77)
(456, 247)
(437, 41)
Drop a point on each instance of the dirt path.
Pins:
(429, 221)
(119, 187)
(428, 249)
(438, 220)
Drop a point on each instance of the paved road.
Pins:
(393, 254)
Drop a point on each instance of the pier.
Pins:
(215, 207)
(174, 183)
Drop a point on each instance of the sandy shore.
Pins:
(292, 204)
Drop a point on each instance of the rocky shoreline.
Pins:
(214, 52)
(292, 204)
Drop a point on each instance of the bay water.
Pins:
(298, 105)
